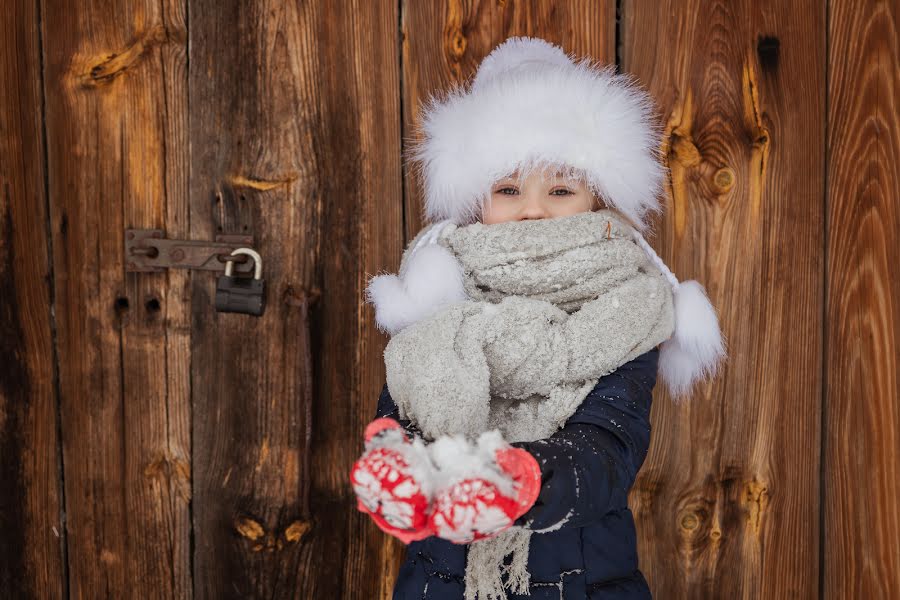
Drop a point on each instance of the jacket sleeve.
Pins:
(589, 466)
(388, 408)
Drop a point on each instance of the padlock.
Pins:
(242, 294)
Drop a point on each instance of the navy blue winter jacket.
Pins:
(587, 470)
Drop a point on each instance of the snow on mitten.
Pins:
(393, 480)
(483, 487)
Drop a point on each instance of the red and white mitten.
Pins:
(392, 480)
(484, 487)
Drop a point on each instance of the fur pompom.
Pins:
(431, 279)
(695, 349)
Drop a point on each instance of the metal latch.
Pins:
(148, 250)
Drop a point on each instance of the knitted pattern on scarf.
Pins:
(554, 304)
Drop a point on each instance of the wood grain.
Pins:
(862, 410)
(295, 139)
(153, 448)
(247, 78)
(116, 125)
(727, 503)
(32, 553)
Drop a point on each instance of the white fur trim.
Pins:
(695, 349)
(515, 53)
(531, 106)
(430, 279)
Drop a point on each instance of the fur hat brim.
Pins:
(530, 106)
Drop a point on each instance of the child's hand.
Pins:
(392, 481)
(484, 487)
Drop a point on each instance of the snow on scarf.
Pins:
(509, 327)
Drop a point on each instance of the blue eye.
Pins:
(564, 190)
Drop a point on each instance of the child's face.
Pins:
(541, 195)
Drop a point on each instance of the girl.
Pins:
(528, 327)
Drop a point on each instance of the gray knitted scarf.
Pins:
(554, 304)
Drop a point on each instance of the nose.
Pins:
(532, 208)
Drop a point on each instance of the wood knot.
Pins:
(690, 521)
(175, 470)
(104, 69)
(723, 179)
(767, 50)
(755, 501)
(252, 530)
(296, 530)
(457, 45)
(262, 184)
(249, 528)
(683, 151)
(694, 517)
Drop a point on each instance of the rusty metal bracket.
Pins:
(148, 251)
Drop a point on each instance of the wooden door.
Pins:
(152, 447)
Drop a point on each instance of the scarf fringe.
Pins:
(484, 579)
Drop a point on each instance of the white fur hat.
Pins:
(530, 106)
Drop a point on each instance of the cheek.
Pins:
(501, 202)
(590, 202)
(574, 204)
(497, 209)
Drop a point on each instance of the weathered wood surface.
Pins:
(32, 550)
(728, 501)
(116, 112)
(295, 138)
(204, 454)
(861, 485)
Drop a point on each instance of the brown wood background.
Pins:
(153, 448)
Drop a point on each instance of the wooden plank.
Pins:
(116, 122)
(295, 139)
(727, 503)
(32, 555)
(370, 65)
(862, 419)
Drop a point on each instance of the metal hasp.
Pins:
(148, 251)
(245, 295)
